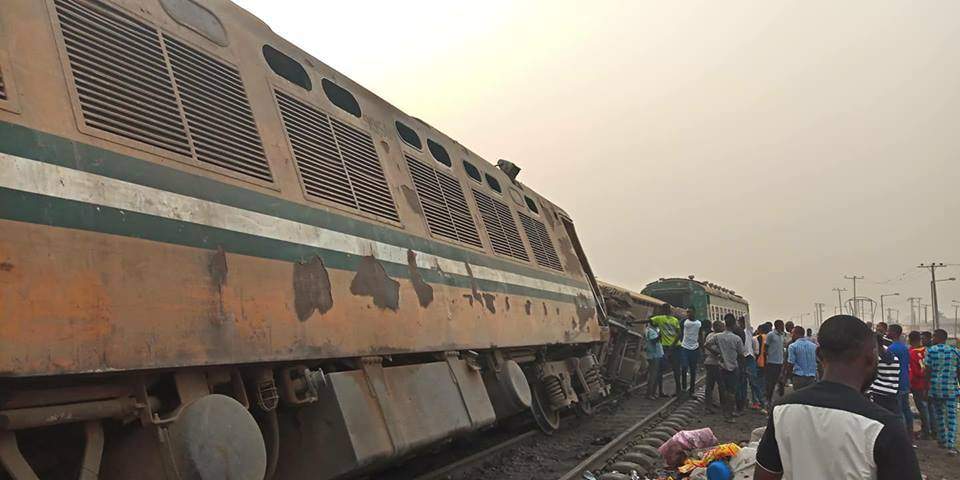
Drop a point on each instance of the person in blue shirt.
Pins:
(900, 349)
(654, 352)
(801, 360)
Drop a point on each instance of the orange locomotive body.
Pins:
(210, 241)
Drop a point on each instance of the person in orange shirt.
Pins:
(762, 332)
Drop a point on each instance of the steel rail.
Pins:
(601, 455)
(478, 456)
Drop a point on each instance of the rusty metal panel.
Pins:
(369, 416)
(94, 302)
(118, 255)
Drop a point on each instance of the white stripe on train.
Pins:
(32, 176)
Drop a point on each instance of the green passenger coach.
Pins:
(708, 300)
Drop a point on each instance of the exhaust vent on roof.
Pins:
(541, 243)
(501, 227)
(218, 113)
(443, 203)
(121, 77)
(336, 161)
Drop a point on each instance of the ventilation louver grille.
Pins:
(121, 76)
(540, 241)
(444, 205)
(501, 227)
(125, 86)
(218, 113)
(366, 172)
(354, 179)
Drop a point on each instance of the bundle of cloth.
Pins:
(726, 462)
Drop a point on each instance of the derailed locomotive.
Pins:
(221, 258)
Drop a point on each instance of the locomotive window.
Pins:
(340, 97)
(439, 152)
(472, 171)
(287, 67)
(493, 183)
(408, 136)
(531, 204)
(197, 18)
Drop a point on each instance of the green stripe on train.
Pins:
(32, 144)
(41, 209)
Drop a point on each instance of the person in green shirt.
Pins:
(669, 329)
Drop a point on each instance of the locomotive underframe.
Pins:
(321, 420)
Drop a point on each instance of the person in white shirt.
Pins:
(748, 375)
(690, 351)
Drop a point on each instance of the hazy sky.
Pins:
(768, 146)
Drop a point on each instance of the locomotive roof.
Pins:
(708, 287)
(639, 297)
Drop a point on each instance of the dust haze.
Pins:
(770, 147)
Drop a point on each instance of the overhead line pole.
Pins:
(914, 309)
(840, 298)
(881, 302)
(956, 320)
(856, 312)
(933, 266)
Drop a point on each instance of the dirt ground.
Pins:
(934, 461)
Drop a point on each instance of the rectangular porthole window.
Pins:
(439, 153)
(472, 172)
(341, 97)
(287, 68)
(408, 135)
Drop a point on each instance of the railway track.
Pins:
(635, 450)
(582, 443)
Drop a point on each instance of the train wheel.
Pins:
(546, 417)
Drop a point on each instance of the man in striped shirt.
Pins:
(884, 389)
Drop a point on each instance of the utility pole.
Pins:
(856, 312)
(881, 301)
(926, 311)
(914, 309)
(956, 320)
(933, 266)
(819, 307)
(840, 298)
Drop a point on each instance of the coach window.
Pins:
(493, 183)
(287, 67)
(531, 204)
(340, 97)
(408, 136)
(439, 153)
(472, 172)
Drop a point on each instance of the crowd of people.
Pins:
(849, 412)
(744, 367)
